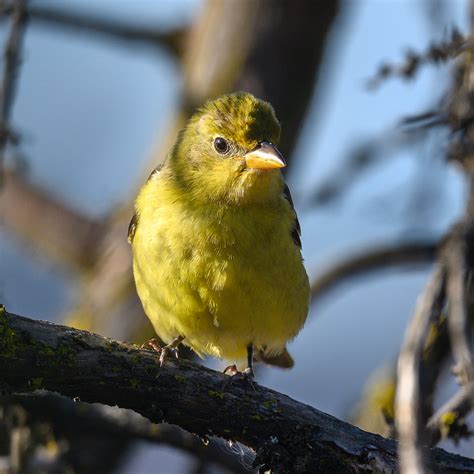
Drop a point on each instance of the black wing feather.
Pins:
(296, 230)
(132, 228)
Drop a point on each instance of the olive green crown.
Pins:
(240, 117)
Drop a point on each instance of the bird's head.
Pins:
(227, 151)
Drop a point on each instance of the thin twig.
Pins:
(436, 53)
(172, 41)
(11, 57)
(424, 120)
(457, 320)
(409, 253)
(359, 160)
(408, 403)
(470, 203)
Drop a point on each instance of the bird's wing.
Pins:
(132, 227)
(296, 230)
(284, 359)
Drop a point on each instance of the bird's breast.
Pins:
(234, 272)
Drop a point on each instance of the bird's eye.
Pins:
(221, 145)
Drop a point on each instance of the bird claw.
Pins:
(231, 370)
(152, 344)
(165, 351)
(247, 375)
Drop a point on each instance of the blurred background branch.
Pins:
(11, 61)
(110, 427)
(450, 289)
(376, 259)
(63, 235)
(408, 402)
(89, 24)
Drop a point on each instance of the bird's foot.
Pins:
(165, 351)
(153, 344)
(247, 375)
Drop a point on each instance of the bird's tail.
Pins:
(282, 360)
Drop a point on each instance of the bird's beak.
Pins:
(265, 157)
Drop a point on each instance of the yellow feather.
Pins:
(214, 259)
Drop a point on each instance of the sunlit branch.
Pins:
(287, 436)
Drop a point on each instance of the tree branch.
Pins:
(11, 57)
(435, 54)
(172, 41)
(454, 254)
(364, 156)
(287, 436)
(409, 253)
(75, 419)
(408, 403)
(61, 233)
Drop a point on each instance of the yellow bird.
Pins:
(216, 241)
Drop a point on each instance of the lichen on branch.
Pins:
(287, 436)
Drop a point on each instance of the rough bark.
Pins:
(287, 436)
(82, 425)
